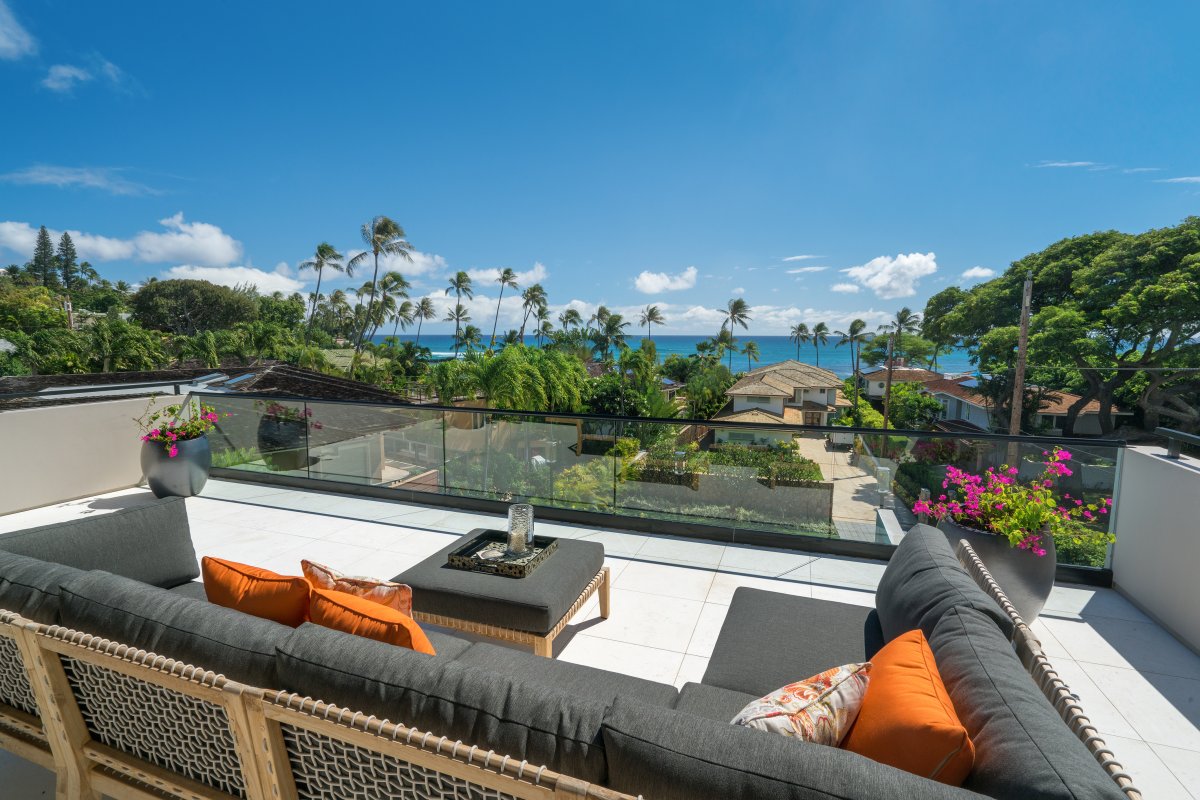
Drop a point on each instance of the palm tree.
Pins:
(391, 286)
(470, 338)
(544, 328)
(820, 336)
(402, 317)
(507, 278)
(459, 316)
(422, 311)
(610, 334)
(382, 236)
(569, 319)
(854, 336)
(532, 299)
(737, 312)
(800, 335)
(545, 331)
(750, 350)
(905, 321)
(325, 257)
(651, 316)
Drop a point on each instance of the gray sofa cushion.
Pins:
(237, 645)
(482, 707)
(30, 586)
(672, 755)
(535, 603)
(1022, 747)
(192, 589)
(818, 634)
(923, 581)
(150, 543)
(576, 679)
(712, 702)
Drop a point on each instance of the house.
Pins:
(873, 384)
(789, 392)
(962, 402)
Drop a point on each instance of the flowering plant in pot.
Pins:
(996, 512)
(176, 456)
(282, 433)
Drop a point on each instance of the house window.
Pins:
(881, 384)
(754, 399)
(741, 436)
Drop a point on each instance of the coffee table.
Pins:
(531, 610)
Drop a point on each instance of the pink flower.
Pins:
(1013, 470)
(1064, 455)
(174, 451)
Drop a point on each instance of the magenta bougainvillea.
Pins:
(998, 503)
(165, 427)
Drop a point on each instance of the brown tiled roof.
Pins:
(1057, 403)
(904, 375)
(782, 380)
(750, 415)
(956, 389)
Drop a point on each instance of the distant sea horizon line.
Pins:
(772, 349)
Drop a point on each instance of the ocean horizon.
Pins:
(772, 349)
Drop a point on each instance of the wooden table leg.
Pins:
(605, 589)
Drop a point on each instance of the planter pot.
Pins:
(1026, 578)
(283, 443)
(181, 476)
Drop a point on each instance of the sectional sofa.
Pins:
(116, 671)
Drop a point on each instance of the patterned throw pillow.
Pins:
(396, 596)
(820, 709)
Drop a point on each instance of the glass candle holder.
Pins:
(520, 527)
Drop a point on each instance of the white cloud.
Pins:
(803, 270)
(1067, 164)
(845, 288)
(894, 276)
(536, 274)
(739, 290)
(654, 282)
(64, 77)
(978, 273)
(194, 242)
(805, 257)
(190, 242)
(266, 282)
(1184, 179)
(15, 41)
(421, 264)
(108, 179)
(1133, 170)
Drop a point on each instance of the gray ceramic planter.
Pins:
(1026, 578)
(181, 476)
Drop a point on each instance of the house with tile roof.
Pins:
(872, 384)
(789, 392)
(962, 402)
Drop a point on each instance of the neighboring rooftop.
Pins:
(903, 374)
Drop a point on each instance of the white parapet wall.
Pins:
(1156, 560)
(57, 453)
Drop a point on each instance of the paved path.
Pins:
(854, 494)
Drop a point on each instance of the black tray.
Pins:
(470, 555)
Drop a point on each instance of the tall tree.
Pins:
(906, 321)
(43, 264)
(460, 284)
(532, 299)
(506, 278)
(854, 336)
(325, 257)
(569, 318)
(392, 286)
(422, 311)
(382, 236)
(820, 336)
(651, 316)
(737, 312)
(750, 351)
(68, 260)
(799, 335)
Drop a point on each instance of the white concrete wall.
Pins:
(1156, 560)
(49, 455)
(743, 403)
(764, 438)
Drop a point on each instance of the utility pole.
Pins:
(887, 391)
(70, 312)
(1018, 397)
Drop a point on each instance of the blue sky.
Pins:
(620, 152)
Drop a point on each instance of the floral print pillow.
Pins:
(820, 709)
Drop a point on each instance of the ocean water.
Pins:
(771, 349)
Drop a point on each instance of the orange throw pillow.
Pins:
(907, 719)
(345, 612)
(392, 595)
(255, 591)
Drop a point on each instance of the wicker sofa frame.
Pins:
(117, 721)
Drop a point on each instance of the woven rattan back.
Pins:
(1029, 650)
(21, 731)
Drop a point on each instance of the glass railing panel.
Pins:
(260, 435)
(370, 445)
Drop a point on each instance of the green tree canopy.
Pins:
(187, 306)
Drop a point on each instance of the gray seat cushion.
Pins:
(814, 635)
(150, 543)
(923, 581)
(533, 604)
(576, 679)
(237, 645)
(1022, 747)
(192, 589)
(30, 586)
(441, 696)
(672, 755)
(712, 702)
